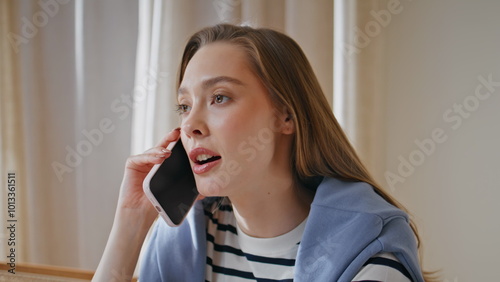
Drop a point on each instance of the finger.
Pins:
(144, 162)
(158, 150)
(170, 137)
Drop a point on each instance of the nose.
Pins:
(194, 125)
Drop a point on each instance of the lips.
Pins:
(204, 160)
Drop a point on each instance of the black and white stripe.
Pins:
(383, 267)
(226, 260)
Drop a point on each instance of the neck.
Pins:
(267, 213)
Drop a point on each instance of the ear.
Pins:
(287, 123)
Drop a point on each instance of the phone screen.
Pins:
(173, 185)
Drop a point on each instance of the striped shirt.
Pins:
(232, 255)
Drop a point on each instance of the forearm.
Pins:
(123, 247)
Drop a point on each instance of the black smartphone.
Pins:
(170, 186)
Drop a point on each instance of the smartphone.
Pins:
(170, 186)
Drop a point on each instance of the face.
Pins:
(233, 135)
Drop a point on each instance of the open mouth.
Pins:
(203, 159)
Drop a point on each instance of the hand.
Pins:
(132, 196)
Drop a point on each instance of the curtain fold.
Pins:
(66, 122)
(359, 100)
(12, 158)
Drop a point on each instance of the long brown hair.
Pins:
(320, 147)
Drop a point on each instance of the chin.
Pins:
(211, 188)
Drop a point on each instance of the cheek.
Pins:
(245, 134)
(231, 126)
(251, 143)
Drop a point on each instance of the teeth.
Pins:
(203, 157)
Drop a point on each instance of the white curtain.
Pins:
(12, 163)
(76, 71)
(359, 101)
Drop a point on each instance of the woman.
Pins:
(298, 203)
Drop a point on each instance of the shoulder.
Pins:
(352, 212)
(186, 243)
(348, 224)
(354, 197)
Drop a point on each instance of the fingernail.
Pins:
(160, 156)
(166, 151)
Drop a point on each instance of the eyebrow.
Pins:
(213, 81)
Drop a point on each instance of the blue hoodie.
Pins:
(348, 223)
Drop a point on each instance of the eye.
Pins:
(182, 108)
(220, 99)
